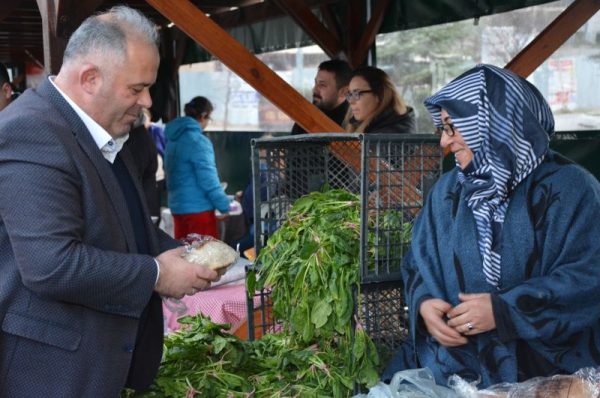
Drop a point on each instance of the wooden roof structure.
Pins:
(37, 31)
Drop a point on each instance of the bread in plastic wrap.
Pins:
(419, 383)
(584, 383)
(209, 252)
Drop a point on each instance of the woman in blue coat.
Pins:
(193, 186)
(503, 276)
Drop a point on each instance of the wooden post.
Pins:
(354, 25)
(54, 46)
(359, 54)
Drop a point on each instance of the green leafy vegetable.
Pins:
(311, 263)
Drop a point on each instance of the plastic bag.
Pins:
(209, 252)
(585, 383)
(412, 383)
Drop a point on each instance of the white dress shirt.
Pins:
(109, 146)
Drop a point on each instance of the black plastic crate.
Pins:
(384, 315)
(391, 173)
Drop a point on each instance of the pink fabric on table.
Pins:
(223, 304)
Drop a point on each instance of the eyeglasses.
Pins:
(447, 128)
(355, 95)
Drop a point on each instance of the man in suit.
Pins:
(82, 265)
(330, 90)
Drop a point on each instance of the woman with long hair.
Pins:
(376, 105)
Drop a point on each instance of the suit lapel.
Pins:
(89, 147)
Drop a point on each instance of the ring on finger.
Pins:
(469, 326)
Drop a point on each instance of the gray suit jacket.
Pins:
(71, 288)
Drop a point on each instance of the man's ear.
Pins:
(7, 90)
(343, 92)
(90, 78)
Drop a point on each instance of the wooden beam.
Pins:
(308, 21)
(370, 33)
(236, 57)
(551, 38)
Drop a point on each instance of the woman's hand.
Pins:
(474, 315)
(433, 312)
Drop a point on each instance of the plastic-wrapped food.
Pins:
(419, 383)
(209, 252)
(585, 383)
(410, 383)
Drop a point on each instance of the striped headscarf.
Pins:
(507, 124)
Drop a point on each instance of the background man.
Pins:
(6, 91)
(82, 264)
(329, 91)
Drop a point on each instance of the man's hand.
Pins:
(474, 315)
(433, 312)
(179, 277)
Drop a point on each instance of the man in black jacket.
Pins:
(329, 91)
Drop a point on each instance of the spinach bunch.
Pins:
(311, 263)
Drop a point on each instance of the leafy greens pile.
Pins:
(311, 263)
(202, 360)
(312, 266)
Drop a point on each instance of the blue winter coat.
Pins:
(548, 300)
(192, 180)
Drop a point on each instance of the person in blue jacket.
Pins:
(193, 186)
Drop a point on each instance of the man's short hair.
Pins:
(107, 33)
(4, 78)
(341, 69)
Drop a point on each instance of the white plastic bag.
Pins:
(412, 383)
